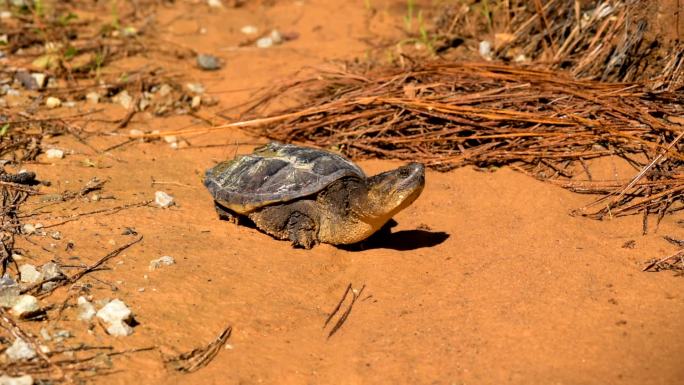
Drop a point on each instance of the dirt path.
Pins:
(487, 279)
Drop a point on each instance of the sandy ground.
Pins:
(485, 279)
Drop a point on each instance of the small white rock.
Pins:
(486, 49)
(29, 274)
(52, 102)
(93, 97)
(215, 3)
(197, 88)
(165, 90)
(40, 79)
(21, 380)
(116, 314)
(86, 310)
(54, 153)
(249, 30)
(264, 42)
(114, 311)
(51, 270)
(28, 228)
(163, 199)
(5, 15)
(20, 350)
(9, 291)
(170, 138)
(45, 334)
(119, 329)
(24, 305)
(276, 36)
(160, 262)
(124, 99)
(196, 101)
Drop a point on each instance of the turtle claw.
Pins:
(302, 231)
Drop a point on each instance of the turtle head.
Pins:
(394, 190)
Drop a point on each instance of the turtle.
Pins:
(310, 196)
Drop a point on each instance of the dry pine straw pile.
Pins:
(541, 122)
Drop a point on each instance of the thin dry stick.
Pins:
(200, 357)
(652, 264)
(111, 210)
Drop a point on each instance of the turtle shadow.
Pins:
(404, 240)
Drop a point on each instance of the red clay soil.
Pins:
(486, 279)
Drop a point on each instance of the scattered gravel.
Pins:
(161, 262)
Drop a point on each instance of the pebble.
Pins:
(163, 199)
(26, 304)
(274, 38)
(20, 350)
(5, 15)
(116, 316)
(26, 80)
(9, 291)
(50, 270)
(215, 3)
(124, 99)
(165, 90)
(45, 334)
(21, 380)
(39, 79)
(249, 30)
(196, 101)
(208, 62)
(486, 49)
(195, 87)
(170, 138)
(52, 102)
(93, 97)
(160, 262)
(86, 310)
(54, 153)
(29, 274)
(56, 235)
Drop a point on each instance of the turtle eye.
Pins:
(404, 173)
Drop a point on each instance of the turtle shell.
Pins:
(275, 173)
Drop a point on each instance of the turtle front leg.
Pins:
(296, 221)
(301, 230)
(226, 215)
